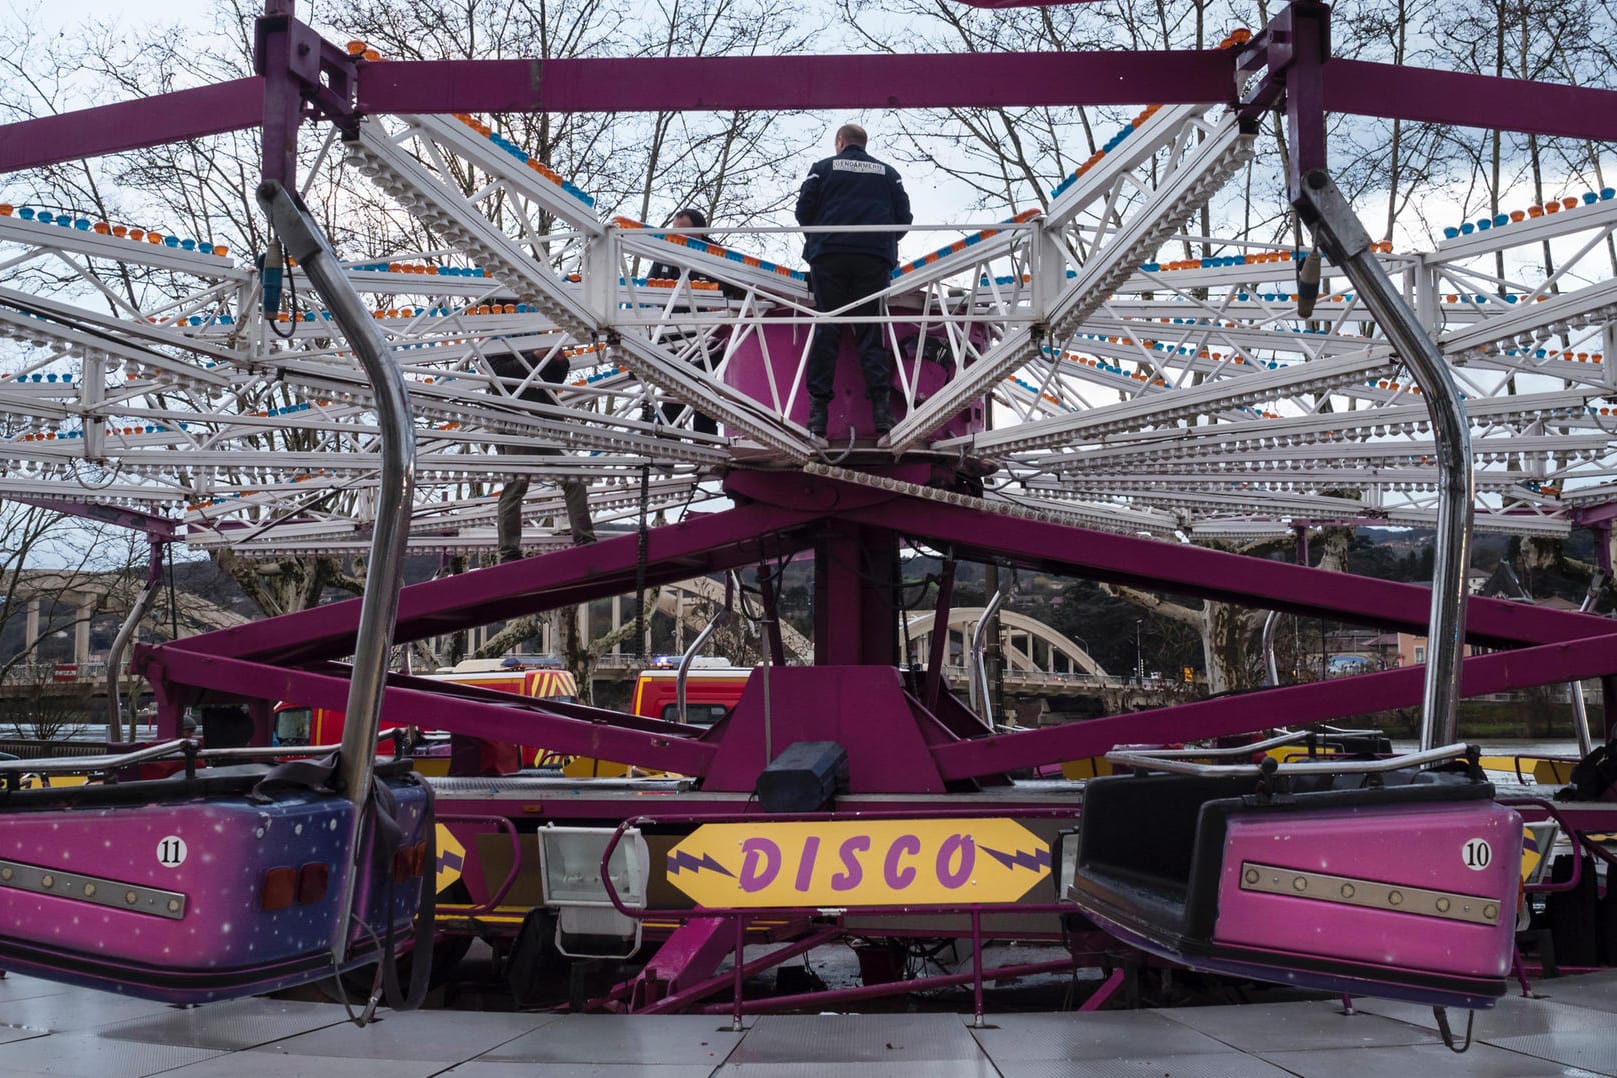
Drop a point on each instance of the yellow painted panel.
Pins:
(839, 863)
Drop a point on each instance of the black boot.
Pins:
(881, 417)
(817, 417)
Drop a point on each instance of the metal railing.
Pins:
(63, 671)
(1184, 761)
(179, 747)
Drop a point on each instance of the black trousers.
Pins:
(839, 279)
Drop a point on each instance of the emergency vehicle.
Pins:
(711, 690)
(710, 693)
(299, 724)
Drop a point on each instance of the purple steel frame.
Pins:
(291, 657)
(301, 76)
(738, 917)
(853, 530)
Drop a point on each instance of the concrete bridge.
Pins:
(1044, 671)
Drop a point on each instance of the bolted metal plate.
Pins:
(1371, 894)
(95, 890)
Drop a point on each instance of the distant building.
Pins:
(1360, 651)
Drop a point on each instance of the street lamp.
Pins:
(1139, 658)
(1083, 645)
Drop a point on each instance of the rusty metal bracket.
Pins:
(305, 78)
(1291, 53)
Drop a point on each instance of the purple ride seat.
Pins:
(188, 891)
(1358, 890)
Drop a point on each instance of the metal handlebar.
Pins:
(60, 764)
(57, 765)
(1174, 760)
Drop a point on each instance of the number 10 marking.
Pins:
(1476, 854)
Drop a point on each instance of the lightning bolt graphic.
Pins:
(450, 860)
(679, 860)
(1037, 860)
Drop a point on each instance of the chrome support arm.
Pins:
(1580, 707)
(981, 690)
(126, 633)
(689, 657)
(378, 610)
(1338, 232)
(1270, 667)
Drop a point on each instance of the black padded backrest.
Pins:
(226, 726)
(1147, 825)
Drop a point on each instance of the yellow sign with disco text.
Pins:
(841, 863)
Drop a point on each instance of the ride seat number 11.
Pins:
(171, 851)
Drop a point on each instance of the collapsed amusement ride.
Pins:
(1069, 400)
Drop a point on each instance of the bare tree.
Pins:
(1002, 156)
(60, 579)
(1522, 39)
(646, 166)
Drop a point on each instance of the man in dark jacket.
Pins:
(851, 188)
(689, 217)
(515, 369)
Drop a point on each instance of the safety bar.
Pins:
(126, 633)
(57, 765)
(1568, 830)
(63, 764)
(1348, 731)
(500, 823)
(1178, 765)
(1284, 737)
(979, 685)
(1541, 757)
(1580, 708)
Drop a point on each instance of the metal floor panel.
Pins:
(892, 1068)
(629, 1040)
(19, 1033)
(1594, 990)
(834, 1039)
(509, 1069)
(1513, 1016)
(432, 1036)
(20, 986)
(1416, 1015)
(259, 1063)
(1425, 1060)
(1593, 1048)
(88, 1055)
(1092, 1036)
(1215, 1065)
(1264, 1027)
(52, 1029)
(232, 1026)
(63, 1008)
